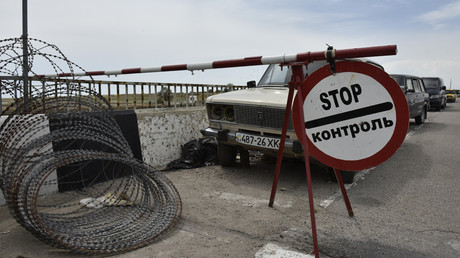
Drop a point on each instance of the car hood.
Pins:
(261, 96)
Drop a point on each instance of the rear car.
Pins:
(417, 98)
(435, 87)
(451, 96)
(252, 119)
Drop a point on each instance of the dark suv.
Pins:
(435, 87)
(417, 97)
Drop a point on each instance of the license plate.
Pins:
(259, 141)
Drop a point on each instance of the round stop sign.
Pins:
(354, 119)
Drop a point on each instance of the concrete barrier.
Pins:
(161, 133)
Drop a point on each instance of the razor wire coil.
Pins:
(124, 204)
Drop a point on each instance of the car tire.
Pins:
(421, 118)
(226, 154)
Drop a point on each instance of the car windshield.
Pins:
(431, 82)
(277, 75)
(450, 92)
(399, 80)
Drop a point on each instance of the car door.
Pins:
(426, 96)
(411, 97)
(418, 97)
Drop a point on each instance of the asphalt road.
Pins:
(408, 206)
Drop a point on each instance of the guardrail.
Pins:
(138, 95)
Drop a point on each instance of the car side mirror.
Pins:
(251, 84)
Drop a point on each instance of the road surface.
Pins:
(408, 206)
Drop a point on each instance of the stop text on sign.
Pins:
(347, 96)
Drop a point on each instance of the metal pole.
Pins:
(338, 175)
(298, 72)
(247, 61)
(25, 64)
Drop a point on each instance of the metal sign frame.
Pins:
(296, 83)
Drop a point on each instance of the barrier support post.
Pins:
(296, 82)
(344, 192)
(279, 159)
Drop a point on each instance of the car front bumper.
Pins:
(291, 148)
(436, 103)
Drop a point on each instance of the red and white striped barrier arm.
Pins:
(248, 61)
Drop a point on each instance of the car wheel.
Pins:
(226, 154)
(421, 118)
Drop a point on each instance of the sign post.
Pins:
(350, 115)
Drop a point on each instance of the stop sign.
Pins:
(354, 119)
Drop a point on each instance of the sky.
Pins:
(115, 34)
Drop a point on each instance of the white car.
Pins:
(252, 119)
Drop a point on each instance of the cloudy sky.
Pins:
(115, 34)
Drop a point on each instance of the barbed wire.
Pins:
(67, 172)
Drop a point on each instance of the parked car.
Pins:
(435, 87)
(417, 98)
(252, 119)
(451, 95)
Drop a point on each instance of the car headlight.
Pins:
(217, 112)
(229, 113)
(221, 112)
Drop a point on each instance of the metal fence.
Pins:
(137, 95)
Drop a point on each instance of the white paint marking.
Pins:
(359, 176)
(245, 200)
(271, 250)
(412, 132)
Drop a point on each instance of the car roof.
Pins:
(405, 75)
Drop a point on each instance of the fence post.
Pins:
(186, 97)
(108, 96)
(156, 96)
(135, 98)
(142, 95)
(150, 95)
(175, 96)
(126, 96)
(169, 96)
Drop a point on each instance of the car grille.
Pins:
(261, 116)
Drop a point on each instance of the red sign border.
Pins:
(400, 104)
